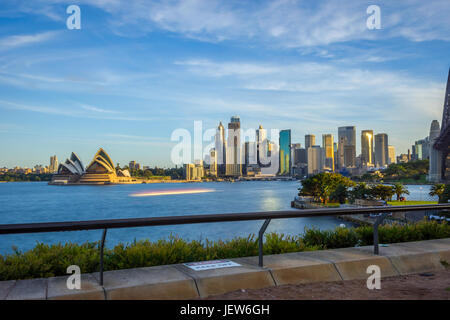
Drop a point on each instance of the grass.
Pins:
(52, 260)
(410, 203)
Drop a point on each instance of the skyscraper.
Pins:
(221, 149)
(328, 149)
(346, 147)
(285, 152)
(434, 174)
(213, 162)
(367, 148)
(53, 164)
(234, 150)
(315, 159)
(310, 140)
(381, 150)
(391, 152)
(261, 147)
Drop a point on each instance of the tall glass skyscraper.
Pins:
(367, 148)
(285, 152)
(346, 147)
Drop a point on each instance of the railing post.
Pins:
(260, 241)
(102, 246)
(378, 221)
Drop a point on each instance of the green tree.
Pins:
(322, 185)
(438, 190)
(382, 192)
(340, 194)
(399, 190)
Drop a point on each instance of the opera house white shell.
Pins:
(100, 171)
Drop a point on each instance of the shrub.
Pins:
(52, 260)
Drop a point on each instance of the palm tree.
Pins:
(438, 190)
(399, 190)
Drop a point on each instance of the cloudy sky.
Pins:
(138, 70)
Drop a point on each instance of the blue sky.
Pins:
(138, 70)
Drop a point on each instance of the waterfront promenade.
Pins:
(181, 282)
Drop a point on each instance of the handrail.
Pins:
(203, 218)
(209, 218)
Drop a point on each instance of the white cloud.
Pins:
(15, 41)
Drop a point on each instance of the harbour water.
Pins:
(26, 202)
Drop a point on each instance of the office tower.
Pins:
(285, 152)
(133, 165)
(434, 174)
(261, 147)
(346, 147)
(249, 156)
(213, 162)
(234, 154)
(367, 148)
(315, 156)
(193, 171)
(221, 149)
(381, 150)
(328, 148)
(391, 152)
(310, 140)
(294, 147)
(421, 149)
(53, 168)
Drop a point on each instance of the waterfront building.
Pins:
(213, 162)
(391, 153)
(367, 148)
(193, 171)
(261, 146)
(234, 150)
(310, 140)
(434, 173)
(315, 156)
(100, 171)
(328, 148)
(346, 147)
(381, 150)
(285, 152)
(221, 149)
(53, 168)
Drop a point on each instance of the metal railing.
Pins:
(210, 218)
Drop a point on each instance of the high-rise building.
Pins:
(213, 162)
(310, 140)
(434, 173)
(346, 147)
(315, 156)
(53, 168)
(367, 148)
(391, 152)
(261, 147)
(234, 150)
(381, 150)
(328, 148)
(285, 152)
(134, 165)
(193, 171)
(221, 149)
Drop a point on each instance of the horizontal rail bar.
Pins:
(203, 218)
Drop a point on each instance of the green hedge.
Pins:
(52, 260)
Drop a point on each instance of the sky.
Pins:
(138, 70)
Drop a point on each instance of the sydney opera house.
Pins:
(99, 172)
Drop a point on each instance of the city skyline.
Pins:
(126, 79)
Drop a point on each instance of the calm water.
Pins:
(24, 202)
